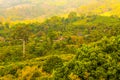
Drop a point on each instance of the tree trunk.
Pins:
(23, 48)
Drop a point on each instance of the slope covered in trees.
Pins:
(29, 9)
(96, 61)
(75, 48)
(101, 7)
(32, 9)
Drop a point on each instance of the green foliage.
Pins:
(52, 63)
(35, 75)
(99, 60)
(56, 34)
(21, 32)
(93, 39)
(10, 69)
(13, 53)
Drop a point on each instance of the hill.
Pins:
(101, 7)
(29, 9)
(84, 45)
(76, 47)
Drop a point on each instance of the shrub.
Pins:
(52, 63)
(35, 75)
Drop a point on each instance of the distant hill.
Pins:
(31, 9)
(101, 7)
(28, 9)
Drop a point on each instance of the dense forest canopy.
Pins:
(84, 45)
(60, 36)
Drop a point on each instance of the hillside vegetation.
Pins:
(59, 40)
(76, 47)
(104, 8)
(32, 9)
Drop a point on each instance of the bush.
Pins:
(52, 63)
(11, 69)
(35, 75)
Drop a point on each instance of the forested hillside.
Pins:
(52, 45)
(32, 9)
(101, 7)
(83, 45)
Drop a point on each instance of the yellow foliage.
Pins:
(106, 14)
(86, 75)
(7, 77)
(67, 56)
(27, 73)
(106, 8)
(74, 77)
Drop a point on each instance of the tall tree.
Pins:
(22, 33)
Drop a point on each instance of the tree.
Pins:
(22, 33)
(72, 16)
(52, 63)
